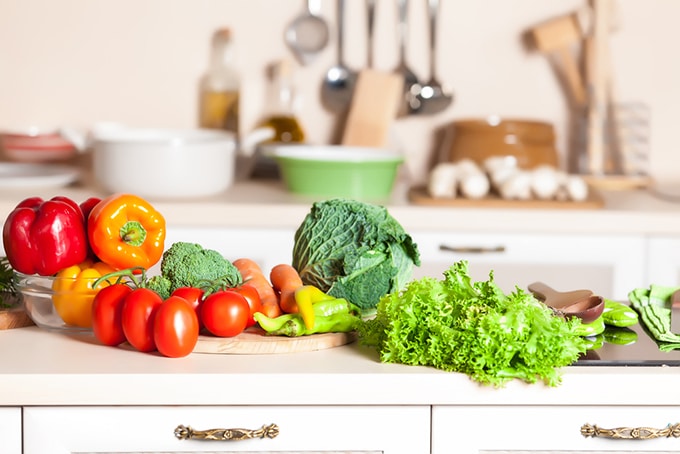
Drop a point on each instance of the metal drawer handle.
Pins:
(471, 249)
(187, 433)
(631, 433)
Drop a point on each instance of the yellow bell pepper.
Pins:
(305, 297)
(73, 291)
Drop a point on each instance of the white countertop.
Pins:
(268, 204)
(44, 368)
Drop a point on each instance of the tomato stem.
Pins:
(137, 275)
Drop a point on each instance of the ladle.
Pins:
(432, 98)
(370, 21)
(307, 35)
(411, 84)
(338, 85)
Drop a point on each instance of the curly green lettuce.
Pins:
(458, 325)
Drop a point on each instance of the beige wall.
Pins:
(76, 62)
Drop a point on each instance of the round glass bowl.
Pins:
(57, 304)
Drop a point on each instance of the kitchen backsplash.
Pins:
(77, 62)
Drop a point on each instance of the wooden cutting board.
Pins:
(14, 318)
(254, 341)
(420, 196)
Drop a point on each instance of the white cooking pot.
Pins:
(165, 163)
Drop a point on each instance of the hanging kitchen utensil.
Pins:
(307, 35)
(432, 97)
(411, 83)
(557, 38)
(338, 85)
(370, 22)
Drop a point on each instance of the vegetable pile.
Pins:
(354, 250)
(455, 324)
(99, 253)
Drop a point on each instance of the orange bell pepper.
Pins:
(126, 231)
(74, 291)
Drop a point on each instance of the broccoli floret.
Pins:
(160, 285)
(187, 264)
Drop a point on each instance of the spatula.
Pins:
(558, 38)
(675, 312)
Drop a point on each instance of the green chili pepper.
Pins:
(334, 306)
(292, 325)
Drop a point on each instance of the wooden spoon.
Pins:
(555, 299)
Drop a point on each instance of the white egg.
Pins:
(517, 186)
(577, 188)
(501, 175)
(467, 167)
(442, 181)
(475, 185)
(544, 182)
(493, 163)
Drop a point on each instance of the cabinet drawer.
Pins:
(610, 265)
(301, 428)
(10, 430)
(475, 429)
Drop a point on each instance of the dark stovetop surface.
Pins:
(644, 352)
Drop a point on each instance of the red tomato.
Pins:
(139, 310)
(175, 327)
(252, 298)
(107, 314)
(194, 297)
(225, 313)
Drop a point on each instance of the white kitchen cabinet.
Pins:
(10, 430)
(663, 261)
(610, 265)
(346, 429)
(540, 429)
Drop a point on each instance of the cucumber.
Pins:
(618, 314)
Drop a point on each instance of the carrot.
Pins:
(285, 280)
(253, 275)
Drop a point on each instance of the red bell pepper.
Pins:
(45, 236)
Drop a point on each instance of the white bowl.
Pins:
(164, 163)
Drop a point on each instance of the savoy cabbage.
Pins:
(354, 250)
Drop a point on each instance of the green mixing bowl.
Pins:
(360, 173)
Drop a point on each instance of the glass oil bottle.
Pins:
(279, 108)
(220, 86)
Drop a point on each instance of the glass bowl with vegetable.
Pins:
(63, 302)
